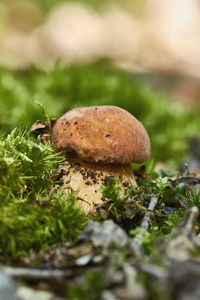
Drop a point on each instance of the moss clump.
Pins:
(32, 215)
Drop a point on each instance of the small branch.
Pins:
(28, 274)
(146, 222)
(99, 206)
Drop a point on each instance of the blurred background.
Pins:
(142, 55)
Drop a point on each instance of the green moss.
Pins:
(24, 163)
(89, 289)
(49, 220)
(172, 221)
(31, 214)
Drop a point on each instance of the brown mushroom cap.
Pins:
(106, 134)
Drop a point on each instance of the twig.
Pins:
(146, 222)
(99, 205)
(28, 274)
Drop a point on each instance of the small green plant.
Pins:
(114, 190)
(43, 109)
(90, 289)
(172, 221)
(161, 184)
(146, 239)
(192, 198)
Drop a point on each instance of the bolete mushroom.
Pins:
(101, 142)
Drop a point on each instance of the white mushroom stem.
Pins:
(85, 179)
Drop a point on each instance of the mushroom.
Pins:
(101, 142)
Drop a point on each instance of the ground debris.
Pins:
(104, 235)
(7, 289)
(106, 262)
(190, 180)
(109, 265)
(183, 239)
(106, 248)
(26, 293)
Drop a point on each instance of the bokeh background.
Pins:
(142, 55)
